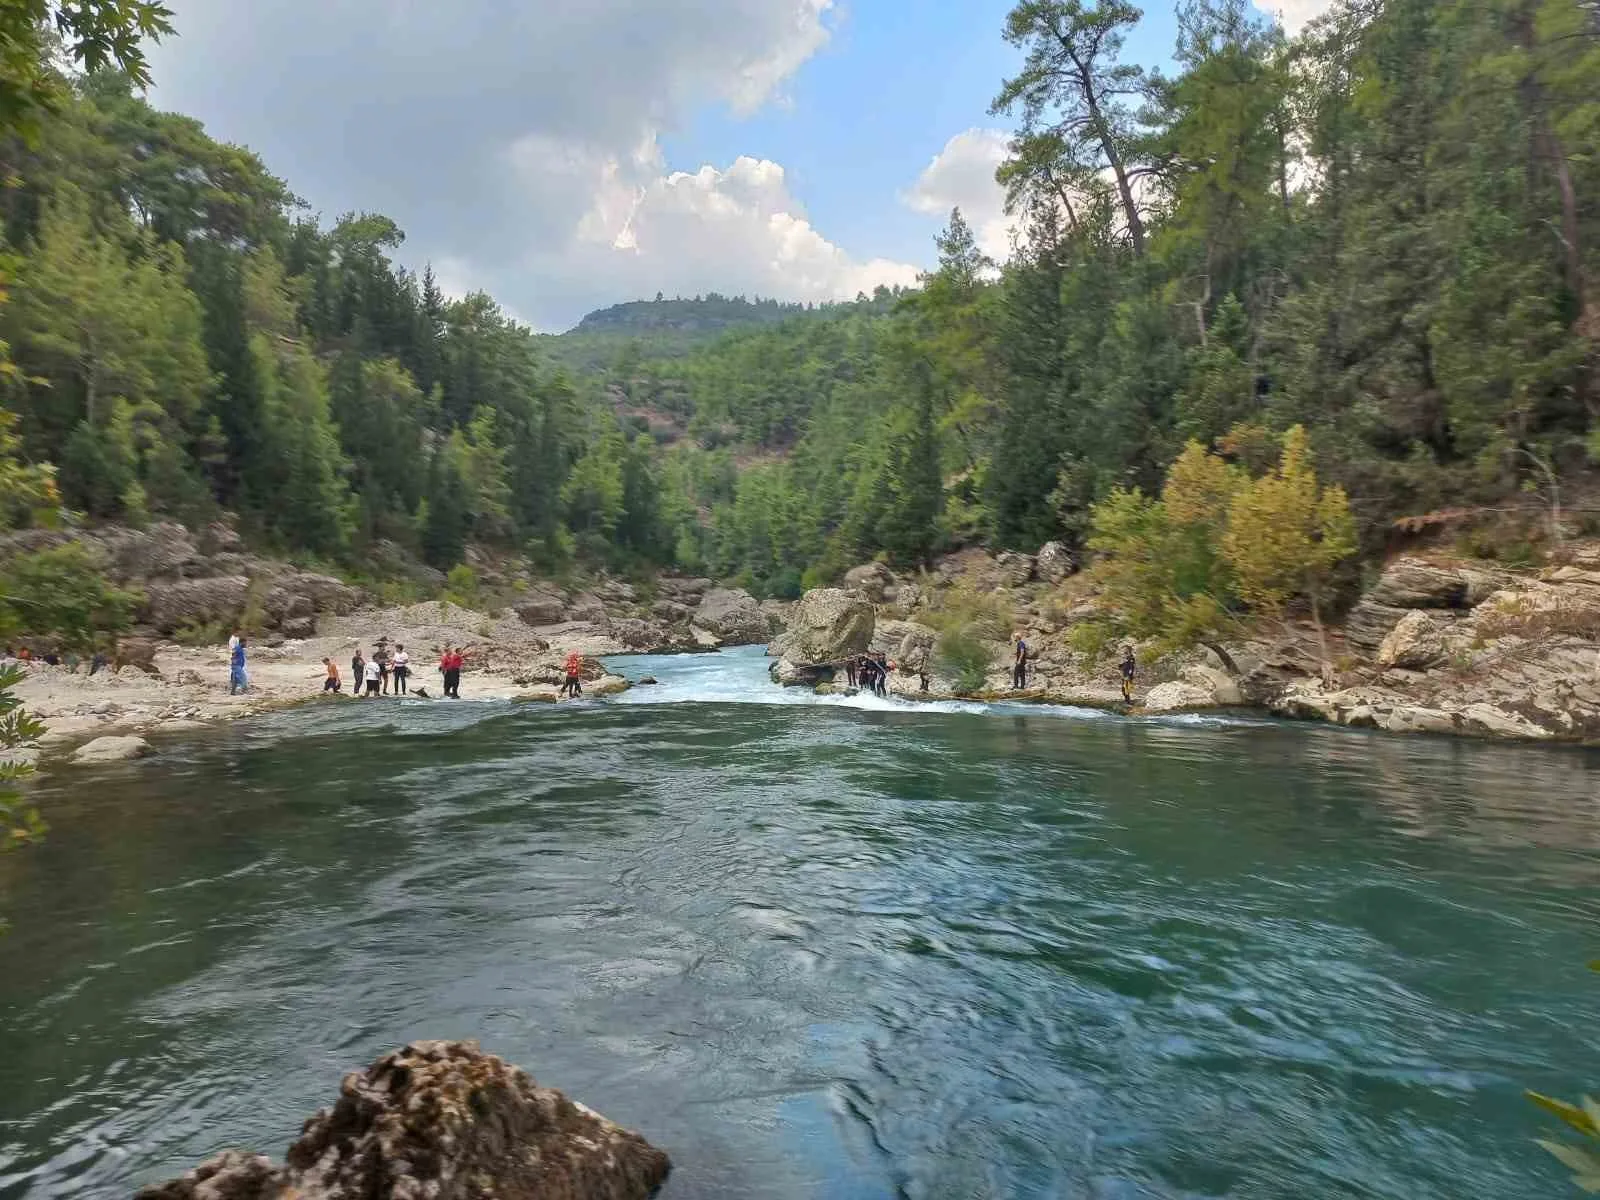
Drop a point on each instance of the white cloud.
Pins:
(962, 176)
(519, 144)
(1295, 14)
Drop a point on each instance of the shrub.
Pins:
(1582, 1160)
(981, 614)
(201, 633)
(61, 594)
(962, 654)
(461, 586)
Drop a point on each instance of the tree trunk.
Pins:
(1108, 145)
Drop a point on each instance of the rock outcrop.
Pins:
(439, 1121)
(873, 580)
(1054, 562)
(734, 616)
(827, 625)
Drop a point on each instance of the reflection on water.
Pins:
(839, 949)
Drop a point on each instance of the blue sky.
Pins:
(568, 154)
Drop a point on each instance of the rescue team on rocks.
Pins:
(1436, 645)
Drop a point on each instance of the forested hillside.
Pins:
(1382, 231)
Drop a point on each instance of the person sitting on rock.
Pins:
(331, 683)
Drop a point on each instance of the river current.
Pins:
(843, 948)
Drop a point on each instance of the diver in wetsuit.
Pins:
(1127, 668)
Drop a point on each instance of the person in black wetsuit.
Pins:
(852, 669)
(1127, 668)
(1019, 669)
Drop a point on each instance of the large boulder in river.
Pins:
(439, 1121)
(734, 616)
(873, 580)
(112, 749)
(827, 625)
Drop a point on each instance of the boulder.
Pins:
(873, 580)
(1412, 583)
(1409, 718)
(1177, 696)
(689, 589)
(789, 673)
(671, 612)
(302, 593)
(439, 1121)
(588, 607)
(777, 614)
(1015, 569)
(139, 653)
(1222, 687)
(636, 634)
(168, 607)
(1054, 562)
(827, 625)
(1492, 721)
(300, 628)
(540, 608)
(734, 615)
(1415, 643)
(112, 749)
(705, 639)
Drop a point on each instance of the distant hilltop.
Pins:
(702, 314)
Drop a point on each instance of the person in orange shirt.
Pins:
(574, 684)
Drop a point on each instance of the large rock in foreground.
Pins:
(827, 625)
(112, 749)
(439, 1121)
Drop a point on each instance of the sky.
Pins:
(565, 155)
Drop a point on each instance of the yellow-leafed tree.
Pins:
(1286, 534)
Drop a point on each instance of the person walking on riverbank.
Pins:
(450, 667)
(400, 667)
(1127, 667)
(574, 685)
(1019, 669)
(237, 681)
(332, 682)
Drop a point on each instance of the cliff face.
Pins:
(439, 1121)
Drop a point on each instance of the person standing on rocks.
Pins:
(380, 655)
(574, 684)
(1127, 667)
(373, 676)
(450, 667)
(1019, 669)
(852, 669)
(237, 682)
(358, 670)
(401, 669)
(331, 683)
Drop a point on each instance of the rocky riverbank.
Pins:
(1437, 644)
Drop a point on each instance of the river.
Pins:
(818, 948)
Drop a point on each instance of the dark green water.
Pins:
(815, 950)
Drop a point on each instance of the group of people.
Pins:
(869, 672)
(386, 669)
(50, 658)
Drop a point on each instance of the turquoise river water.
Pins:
(823, 948)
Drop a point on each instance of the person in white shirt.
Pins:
(400, 668)
(374, 677)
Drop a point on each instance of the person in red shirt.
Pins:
(450, 666)
(574, 683)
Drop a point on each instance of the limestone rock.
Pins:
(1405, 718)
(1178, 696)
(827, 625)
(170, 606)
(588, 607)
(777, 614)
(704, 638)
(671, 612)
(164, 550)
(1368, 623)
(1015, 569)
(439, 1121)
(734, 615)
(872, 580)
(1218, 684)
(1054, 562)
(301, 594)
(1415, 643)
(540, 608)
(112, 749)
(1412, 583)
(139, 653)
(1494, 721)
(789, 673)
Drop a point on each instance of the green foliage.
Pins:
(60, 595)
(1583, 1160)
(461, 586)
(961, 653)
(20, 822)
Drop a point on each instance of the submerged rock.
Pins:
(113, 749)
(439, 1121)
